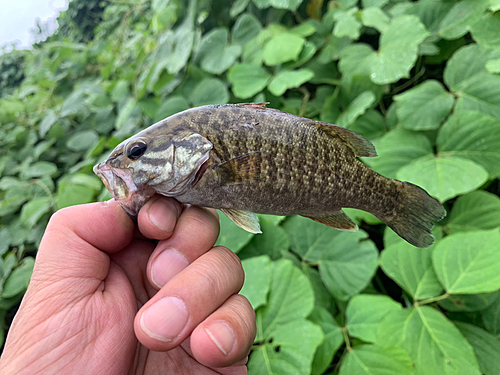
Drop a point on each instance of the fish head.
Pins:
(144, 165)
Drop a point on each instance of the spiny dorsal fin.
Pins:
(251, 105)
(244, 219)
(358, 144)
(338, 220)
(241, 168)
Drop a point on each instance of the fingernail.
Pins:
(158, 214)
(168, 264)
(165, 319)
(222, 335)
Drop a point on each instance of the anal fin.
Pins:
(244, 219)
(338, 220)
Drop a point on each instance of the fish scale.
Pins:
(247, 159)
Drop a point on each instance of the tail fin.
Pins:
(414, 216)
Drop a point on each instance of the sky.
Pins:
(17, 17)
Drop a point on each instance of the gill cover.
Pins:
(185, 155)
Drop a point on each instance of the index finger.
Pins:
(158, 217)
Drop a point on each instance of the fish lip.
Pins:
(135, 197)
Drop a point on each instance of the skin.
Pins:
(98, 278)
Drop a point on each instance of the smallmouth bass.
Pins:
(245, 159)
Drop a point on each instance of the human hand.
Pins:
(97, 279)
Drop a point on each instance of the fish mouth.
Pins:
(121, 185)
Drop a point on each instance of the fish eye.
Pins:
(136, 150)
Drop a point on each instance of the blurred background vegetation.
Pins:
(417, 78)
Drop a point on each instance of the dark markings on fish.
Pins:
(267, 161)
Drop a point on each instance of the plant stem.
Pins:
(346, 338)
(431, 300)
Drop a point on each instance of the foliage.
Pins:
(419, 79)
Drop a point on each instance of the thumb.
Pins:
(77, 240)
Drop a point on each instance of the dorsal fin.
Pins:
(251, 105)
(358, 144)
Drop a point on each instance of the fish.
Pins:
(247, 158)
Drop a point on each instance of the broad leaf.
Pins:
(460, 17)
(287, 79)
(210, 91)
(346, 261)
(333, 338)
(474, 211)
(434, 343)
(257, 280)
(290, 352)
(411, 268)
(468, 262)
(491, 317)
(485, 31)
(34, 210)
(282, 48)
(398, 148)
(364, 313)
(444, 177)
(231, 235)
(346, 24)
(18, 280)
(215, 55)
(247, 79)
(356, 108)
(486, 346)
(273, 241)
(291, 297)
(472, 135)
(424, 107)
(377, 360)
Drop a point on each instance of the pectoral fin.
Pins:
(240, 168)
(244, 219)
(338, 220)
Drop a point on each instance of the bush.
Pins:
(418, 79)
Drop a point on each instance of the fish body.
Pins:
(246, 159)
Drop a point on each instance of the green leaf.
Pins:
(424, 107)
(41, 168)
(485, 31)
(287, 79)
(125, 113)
(377, 360)
(246, 27)
(282, 48)
(472, 135)
(356, 108)
(466, 66)
(215, 54)
(370, 125)
(468, 262)
(333, 338)
(399, 148)
(364, 313)
(434, 343)
(290, 352)
(81, 141)
(273, 241)
(5, 241)
(486, 346)
(474, 211)
(34, 210)
(231, 235)
(491, 317)
(461, 17)
(257, 280)
(493, 66)
(210, 91)
(171, 106)
(444, 177)
(237, 7)
(346, 264)
(285, 4)
(70, 195)
(322, 297)
(347, 24)
(18, 280)
(247, 80)
(411, 268)
(290, 298)
(47, 122)
(468, 302)
(376, 18)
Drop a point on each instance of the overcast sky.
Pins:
(17, 17)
